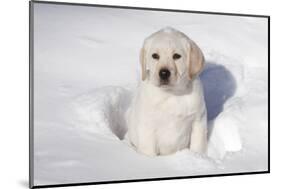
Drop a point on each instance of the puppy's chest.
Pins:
(168, 121)
(172, 107)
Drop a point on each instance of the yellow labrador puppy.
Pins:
(168, 112)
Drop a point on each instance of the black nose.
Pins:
(164, 74)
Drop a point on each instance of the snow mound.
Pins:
(224, 137)
(101, 111)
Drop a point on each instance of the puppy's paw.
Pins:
(148, 151)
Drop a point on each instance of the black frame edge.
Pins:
(268, 67)
(31, 99)
(150, 179)
(152, 9)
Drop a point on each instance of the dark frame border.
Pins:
(31, 92)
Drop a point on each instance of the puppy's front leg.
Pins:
(147, 144)
(198, 141)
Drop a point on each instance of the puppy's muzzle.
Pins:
(164, 75)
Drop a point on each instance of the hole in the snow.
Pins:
(219, 85)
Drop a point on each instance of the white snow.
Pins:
(86, 69)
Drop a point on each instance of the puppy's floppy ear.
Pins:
(196, 60)
(143, 64)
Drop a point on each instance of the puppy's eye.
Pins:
(155, 56)
(176, 56)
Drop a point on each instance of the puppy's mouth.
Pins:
(165, 84)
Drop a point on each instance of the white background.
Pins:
(14, 92)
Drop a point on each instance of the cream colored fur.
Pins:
(163, 119)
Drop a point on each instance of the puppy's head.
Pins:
(170, 59)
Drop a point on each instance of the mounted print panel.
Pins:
(122, 94)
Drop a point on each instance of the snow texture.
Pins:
(86, 70)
